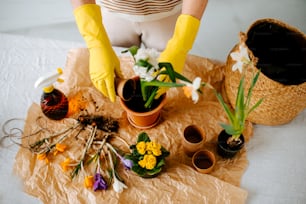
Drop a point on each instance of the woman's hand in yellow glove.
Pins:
(103, 66)
(103, 62)
(178, 46)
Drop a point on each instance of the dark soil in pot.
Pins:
(224, 150)
(281, 52)
(136, 103)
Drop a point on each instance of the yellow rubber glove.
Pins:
(185, 32)
(103, 62)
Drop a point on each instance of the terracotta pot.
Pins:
(144, 120)
(224, 150)
(203, 161)
(193, 139)
(125, 88)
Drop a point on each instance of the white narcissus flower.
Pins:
(191, 90)
(118, 185)
(143, 73)
(150, 55)
(241, 57)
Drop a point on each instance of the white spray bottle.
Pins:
(53, 102)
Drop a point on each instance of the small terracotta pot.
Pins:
(193, 139)
(125, 88)
(203, 161)
(144, 120)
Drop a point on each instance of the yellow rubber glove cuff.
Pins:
(103, 62)
(178, 46)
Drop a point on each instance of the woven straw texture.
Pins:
(282, 103)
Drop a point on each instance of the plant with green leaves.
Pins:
(148, 157)
(243, 108)
(154, 74)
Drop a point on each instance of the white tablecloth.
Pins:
(277, 167)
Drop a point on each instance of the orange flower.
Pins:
(89, 181)
(43, 156)
(59, 148)
(65, 164)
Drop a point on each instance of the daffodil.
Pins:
(243, 107)
(191, 89)
(155, 76)
(241, 57)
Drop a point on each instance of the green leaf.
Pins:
(226, 108)
(143, 136)
(165, 152)
(254, 81)
(133, 50)
(160, 163)
(181, 77)
(144, 63)
(154, 171)
(256, 105)
(140, 171)
(240, 96)
(229, 129)
(169, 68)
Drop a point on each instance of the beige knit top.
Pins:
(142, 10)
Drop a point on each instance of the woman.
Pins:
(126, 23)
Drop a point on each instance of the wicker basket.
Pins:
(285, 97)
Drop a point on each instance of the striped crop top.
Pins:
(142, 10)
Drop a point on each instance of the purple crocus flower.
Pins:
(99, 184)
(127, 163)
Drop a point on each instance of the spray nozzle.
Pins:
(46, 82)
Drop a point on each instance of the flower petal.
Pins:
(196, 84)
(118, 185)
(195, 96)
(99, 183)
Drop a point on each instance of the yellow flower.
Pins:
(89, 181)
(43, 156)
(142, 163)
(59, 148)
(141, 147)
(156, 149)
(150, 161)
(65, 164)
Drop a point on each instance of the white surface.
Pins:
(277, 168)
(22, 61)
